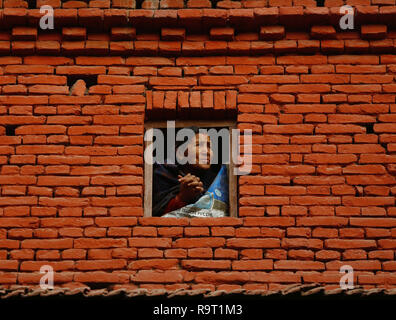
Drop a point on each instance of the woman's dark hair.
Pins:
(195, 129)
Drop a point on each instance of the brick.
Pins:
(9, 244)
(373, 31)
(47, 244)
(80, 70)
(83, 243)
(368, 201)
(154, 276)
(206, 264)
(170, 34)
(360, 69)
(79, 88)
(302, 60)
(253, 243)
(251, 254)
(301, 254)
(198, 242)
(369, 179)
(298, 265)
(223, 80)
(321, 221)
(74, 33)
(351, 59)
(23, 100)
(36, 265)
(158, 99)
(276, 276)
(100, 277)
(149, 242)
(224, 221)
(161, 264)
(175, 253)
(356, 265)
(123, 33)
(302, 243)
(347, 244)
(222, 231)
(150, 253)
(221, 253)
(200, 253)
(196, 232)
(170, 81)
(381, 254)
(275, 79)
(272, 32)
(149, 61)
(115, 221)
(265, 264)
(169, 47)
(307, 88)
(47, 79)
(327, 255)
(124, 253)
(170, 100)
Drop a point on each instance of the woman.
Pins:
(176, 188)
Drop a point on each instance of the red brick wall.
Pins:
(321, 105)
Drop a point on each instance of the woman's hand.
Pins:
(190, 187)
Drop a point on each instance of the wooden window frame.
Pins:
(148, 168)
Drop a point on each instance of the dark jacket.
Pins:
(166, 184)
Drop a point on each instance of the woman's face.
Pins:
(203, 151)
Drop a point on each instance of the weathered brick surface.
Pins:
(320, 102)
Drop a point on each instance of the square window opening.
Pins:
(173, 187)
